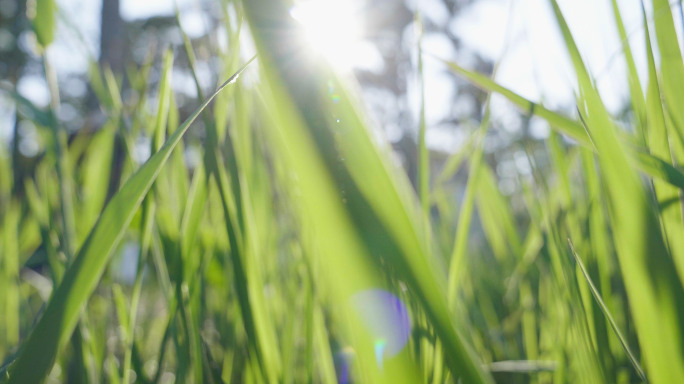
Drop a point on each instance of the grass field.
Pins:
(295, 250)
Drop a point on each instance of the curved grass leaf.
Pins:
(384, 213)
(659, 144)
(645, 162)
(672, 65)
(456, 266)
(453, 162)
(27, 108)
(635, 90)
(54, 329)
(423, 154)
(653, 288)
(564, 124)
(607, 314)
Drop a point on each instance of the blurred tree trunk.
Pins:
(13, 20)
(112, 41)
(113, 54)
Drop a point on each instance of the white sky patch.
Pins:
(35, 89)
(193, 22)
(442, 138)
(367, 57)
(332, 28)
(6, 115)
(182, 81)
(482, 27)
(143, 9)
(439, 86)
(439, 44)
(433, 10)
(247, 47)
(439, 91)
(76, 39)
(84, 19)
(537, 64)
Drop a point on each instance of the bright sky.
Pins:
(535, 64)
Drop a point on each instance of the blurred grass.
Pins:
(250, 263)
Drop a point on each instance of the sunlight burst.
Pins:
(332, 29)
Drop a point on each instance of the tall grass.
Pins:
(297, 251)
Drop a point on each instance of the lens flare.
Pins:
(343, 361)
(387, 319)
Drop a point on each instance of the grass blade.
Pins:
(649, 164)
(385, 213)
(653, 289)
(659, 144)
(54, 329)
(606, 313)
(672, 66)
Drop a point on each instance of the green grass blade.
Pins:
(606, 313)
(385, 213)
(27, 108)
(659, 144)
(635, 90)
(672, 65)
(54, 329)
(653, 288)
(147, 219)
(10, 265)
(95, 172)
(453, 163)
(457, 259)
(497, 215)
(255, 319)
(423, 153)
(564, 124)
(645, 162)
(42, 15)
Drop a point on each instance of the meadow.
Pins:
(296, 250)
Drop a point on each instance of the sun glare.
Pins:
(332, 28)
